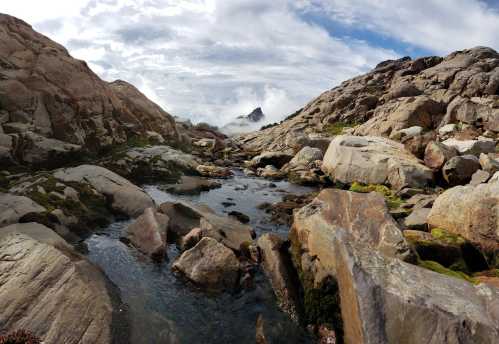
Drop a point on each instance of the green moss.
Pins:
(392, 201)
(337, 128)
(446, 237)
(434, 266)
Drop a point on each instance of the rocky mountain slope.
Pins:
(428, 92)
(52, 105)
(244, 124)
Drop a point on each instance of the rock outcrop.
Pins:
(374, 160)
(51, 290)
(52, 105)
(429, 92)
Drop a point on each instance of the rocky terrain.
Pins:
(395, 240)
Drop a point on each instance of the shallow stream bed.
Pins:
(164, 308)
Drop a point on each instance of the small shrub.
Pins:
(337, 128)
(20, 337)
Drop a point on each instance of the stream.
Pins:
(164, 308)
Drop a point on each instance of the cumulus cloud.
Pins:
(214, 60)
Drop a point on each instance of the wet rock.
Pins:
(191, 186)
(126, 197)
(270, 172)
(277, 266)
(374, 160)
(282, 212)
(209, 264)
(384, 300)
(417, 219)
(191, 239)
(470, 211)
(52, 290)
(148, 233)
(184, 217)
(459, 169)
(276, 159)
(13, 208)
(214, 171)
(437, 154)
(471, 147)
(248, 172)
(243, 218)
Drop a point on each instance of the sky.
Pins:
(214, 60)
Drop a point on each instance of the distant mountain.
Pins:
(245, 124)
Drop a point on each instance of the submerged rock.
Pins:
(191, 186)
(51, 290)
(209, 264)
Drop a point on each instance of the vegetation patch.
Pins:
(392, 200)
(434, 266)
(20, 337)
(337, 128)
(447, 237)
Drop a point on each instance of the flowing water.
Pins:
(164, 308)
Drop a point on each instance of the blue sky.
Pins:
(213, 60)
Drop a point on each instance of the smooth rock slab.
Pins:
(126, 197)
(384, 300)
(374, 160)
(51, 290)
(13, 208)
(209, 264)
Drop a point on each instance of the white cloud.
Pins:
(441, 26)
(207, 60)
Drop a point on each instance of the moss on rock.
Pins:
(392, 200)
(434, 266)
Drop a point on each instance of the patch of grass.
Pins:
(337, 128)
(392, 200)
(434, 266)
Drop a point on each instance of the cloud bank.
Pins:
(214, 60)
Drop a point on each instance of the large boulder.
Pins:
(384, 300)
(13, 208)
(459, 169)
(184, 217)
(152, 162)
(125, 197)
(148, 233)
(278, 269)
(51, 290)
(374, 160)
(306, 156)
(56, 104)
(473, 147)
(209, 264)
(437, 154)
(470, 211)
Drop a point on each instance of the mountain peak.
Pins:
(255, 116)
